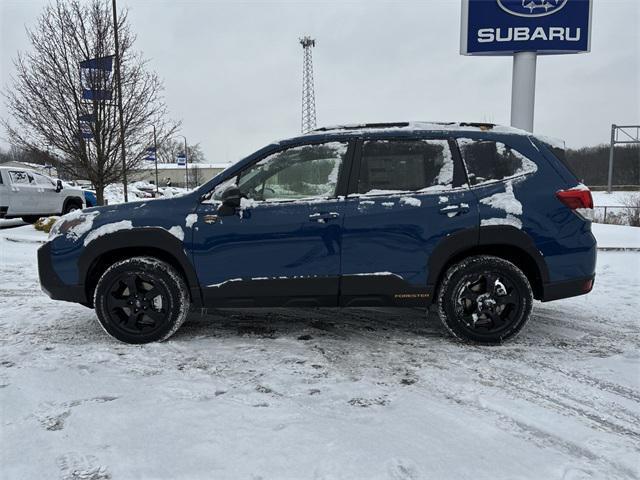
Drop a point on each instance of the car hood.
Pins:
(83, 226)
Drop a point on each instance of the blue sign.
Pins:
(95, 77)
(504, 27)
(151, 154)
(181, 159)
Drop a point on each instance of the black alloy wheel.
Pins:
(485, 299)
(141, 300)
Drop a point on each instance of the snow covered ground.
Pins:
(320, 394)
(613, 199)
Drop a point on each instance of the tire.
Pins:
(30, 219)
(159, 309)
(484, 299)
(71, 206)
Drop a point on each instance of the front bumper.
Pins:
(52, 285)
(571, 288)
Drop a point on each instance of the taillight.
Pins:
(576, 199)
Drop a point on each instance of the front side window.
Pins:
(489, 161)
(44, 181)
(401, 165)
(309, 171)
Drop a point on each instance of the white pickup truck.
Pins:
(30, 195)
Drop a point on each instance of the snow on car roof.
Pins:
(420, 126)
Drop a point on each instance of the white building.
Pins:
(199, 173)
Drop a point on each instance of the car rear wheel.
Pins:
(484, 299)
(141, 300)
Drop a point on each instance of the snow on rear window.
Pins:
(488, 161)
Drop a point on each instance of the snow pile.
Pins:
(107, 229)
(411, 201)
(114, 193)
(177, 232)
(506, 202)
(190, 220)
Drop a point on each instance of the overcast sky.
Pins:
(233, 70)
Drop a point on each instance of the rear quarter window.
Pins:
(489, 161)
(405, 165)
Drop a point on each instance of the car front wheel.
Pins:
(484, 299)
(141, 300)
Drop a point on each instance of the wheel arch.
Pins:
(147, 242)
(68, 200)
(503, 241)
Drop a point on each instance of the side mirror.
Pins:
(230, 200)
(58, 186)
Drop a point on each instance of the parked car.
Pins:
(90, 198)
(28, 194)
(474, 220)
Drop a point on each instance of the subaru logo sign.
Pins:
(532, 8)
(505, 27)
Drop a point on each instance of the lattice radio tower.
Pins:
(308, 93)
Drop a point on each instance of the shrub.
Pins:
(632, 201)
(44, 224)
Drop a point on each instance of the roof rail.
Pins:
(363, 125)
(480, 125)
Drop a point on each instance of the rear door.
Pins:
(283, 246)
(406, 197)
(23, 199)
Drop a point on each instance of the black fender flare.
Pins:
(477, 240)
(140, 241)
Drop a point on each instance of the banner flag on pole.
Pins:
(181, 159)
(95, 78)
(151, 154)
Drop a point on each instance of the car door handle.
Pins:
(453, 210)
(323, 217)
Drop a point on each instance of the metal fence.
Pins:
(615, 214)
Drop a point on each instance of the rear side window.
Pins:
(401, 165)
(21, 178)
(489, 161)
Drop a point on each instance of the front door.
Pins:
(49, 200)
(407, 196)
(282, 247)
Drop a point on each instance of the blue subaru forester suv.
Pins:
(474, 220)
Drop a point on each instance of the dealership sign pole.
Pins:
(525, 29)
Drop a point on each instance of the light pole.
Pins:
(186, 162)
(120, 114)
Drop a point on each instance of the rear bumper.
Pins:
(572, 288)
(52, 285)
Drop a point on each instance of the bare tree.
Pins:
(195, 175)
(45, 99)
(170, 148)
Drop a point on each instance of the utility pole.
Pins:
(155, 154)
(308, 92)
(119, 83)
(186, 162)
